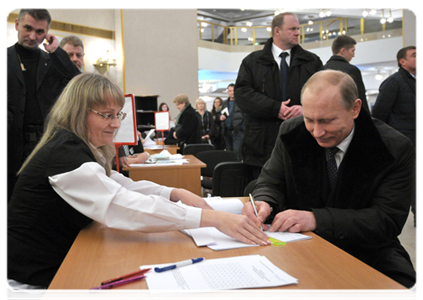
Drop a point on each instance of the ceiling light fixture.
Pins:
(383, 20)
(378, 76)
(365, 13)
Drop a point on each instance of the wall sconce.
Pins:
(102, 65)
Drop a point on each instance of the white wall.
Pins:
(161, 53)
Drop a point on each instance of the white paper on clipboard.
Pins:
(162, 120)
(127, 133)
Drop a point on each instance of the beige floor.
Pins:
(408, 238)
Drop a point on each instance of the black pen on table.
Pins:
(253, 203)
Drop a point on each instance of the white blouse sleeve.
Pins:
(121, 203)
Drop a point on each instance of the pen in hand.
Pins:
(253, 203)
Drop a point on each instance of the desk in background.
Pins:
(186, 176)
(99, 253)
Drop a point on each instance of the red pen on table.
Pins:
(137, 273)
(118, 283)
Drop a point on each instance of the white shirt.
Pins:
(118, 202)
(343, 146)
(276, 51)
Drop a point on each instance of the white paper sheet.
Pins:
(216, 240)
(232, 205)
(250, 271)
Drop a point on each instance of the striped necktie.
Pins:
(332, 167)
(284, 74)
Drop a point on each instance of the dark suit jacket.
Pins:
(396, 103)
(339, 63)
(55, 70)
(369, 207)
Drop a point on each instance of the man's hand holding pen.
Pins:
(263, 211)
(288, 220)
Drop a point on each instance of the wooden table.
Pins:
(172, 149)
(187, 176)
(100, 253)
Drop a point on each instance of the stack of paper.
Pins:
(164, 157)
(216, 240)
(250, 271)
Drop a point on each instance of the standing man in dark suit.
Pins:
(343, 49)
(340, 173)
(35, 79)
(268, 96)
(398, 105)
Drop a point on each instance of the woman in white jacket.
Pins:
(67, 182)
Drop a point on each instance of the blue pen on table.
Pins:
(253, 203)
(118, 283)
(179, 264)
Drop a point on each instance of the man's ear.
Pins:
(401, 61)
(356, 108)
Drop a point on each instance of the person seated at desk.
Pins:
(67, 182)
(129, 154)
(366, 207)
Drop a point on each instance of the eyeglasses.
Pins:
(109, 117)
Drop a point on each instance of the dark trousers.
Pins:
(234, 142)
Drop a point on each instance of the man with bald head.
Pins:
(340, 173)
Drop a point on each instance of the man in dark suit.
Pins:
(35, 79)
(266, 93)
(398, 105)
(340, 173)
(343, 49)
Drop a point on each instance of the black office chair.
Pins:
(250, 187)
(230, 179)
(212, 158)
(196, 148)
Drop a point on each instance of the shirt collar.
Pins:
(276, 51)
(343, 146)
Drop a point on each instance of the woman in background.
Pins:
(206, 120)
(216, 132)
(68, 181)
(187, 124)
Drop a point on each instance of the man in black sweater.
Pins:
(35, 79)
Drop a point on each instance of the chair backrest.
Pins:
(213, 157)
(250, 187)
(196, 148)
(230, 179)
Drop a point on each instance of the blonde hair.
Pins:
(199, 101)
(71, 108)
(181, 98)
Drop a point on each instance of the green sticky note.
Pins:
(276, 242)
